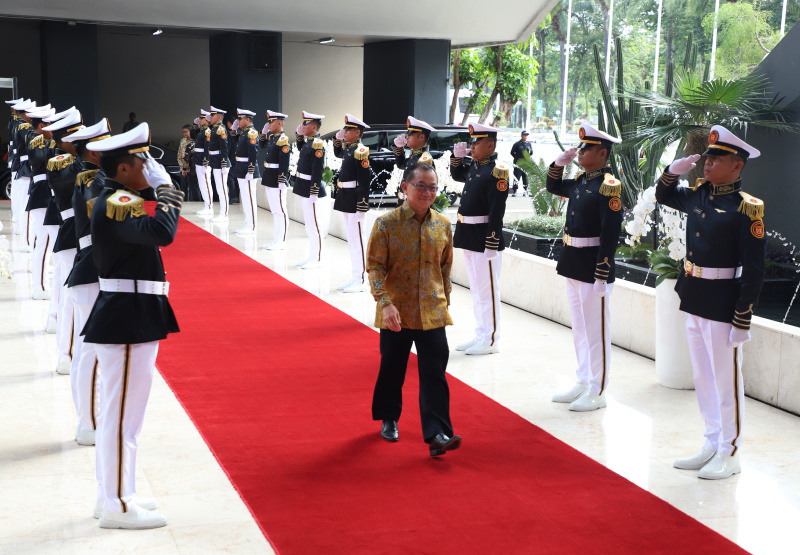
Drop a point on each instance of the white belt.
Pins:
(273, 166)
(711, 273)
(85, 241)
(473, 219)
(581, 242)
(199, 150)
(66, 214)
(134, 286)
(349, 185)
(303, 176)
(213, 151)
(40, 177)
(242, 159)
(23, 158)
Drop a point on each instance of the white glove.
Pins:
(683, 165)
(737, 336)
(299, 130)
(282, 185)
(400, 141)
(459, 150)
(235, 125)
(567, 156)
(313, 198)
(265, 129)
(156, 175)
(340, 134)
(249, 177)
(490, 254)
(360, 216)
(600, 288)
(197, 121)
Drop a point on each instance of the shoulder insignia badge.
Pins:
(85, 177)
(362, 153)
(615, 204)
(757, 229)
(208, 133)
(90, 206)
(221, 131)
(59, 162)
(751, 206)
(502, 185)
(252, 134)
(501, 171)
(425, 158)
(318, 144)
(24, 125)
(122, 203)
(283, 140)
(611, 187)
(36, 142)
(285, 148)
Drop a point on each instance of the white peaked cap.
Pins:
(310, 116)
(136, 141)
(204, 113)
(60, 115)
(589, 135)
(352, 121)
(275, 115)
(73, 120)
(96, 132)
(17, 101)
(24, 105)
(414, 124)
(721, 141)
(33, 109)
(212, 111)
(241, 112)
(41, 113)
(477, 131)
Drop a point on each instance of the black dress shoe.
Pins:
(389, 430)
(442, 444)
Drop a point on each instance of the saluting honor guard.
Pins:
(416, 138)
(201, 165)
(352, 196)
(591, 236)
(479, 231)
(130, 316)
(276, 175)
(308, 183)
(723, 273)
(246, 169)
(13, 120)
(21, 172)
(217, 145)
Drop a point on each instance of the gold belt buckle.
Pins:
(689, 268)
(567, 240)
(460, 218)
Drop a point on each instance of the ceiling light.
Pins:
(157, 32)
(327, 40)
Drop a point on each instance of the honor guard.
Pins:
(591, 236)
(308, 183)
(40, 147)
(201, 165)
(82, 285)
(719, 288)
(352, 196)
(416, 139)
(14, 120)
(62, 170)
(21, 173)
(130, 316)
(217, 145)
(276, 175)
(246, 169)
(479, 231)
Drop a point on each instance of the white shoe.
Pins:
(310, 265)
(720, 467)
(220, 218)
(136, 518)
(205, 212)
(64, 362)
(481, 348)
(42, 295)
(355, 288)
(147, 503)
(246, 231)
(344, 286)
(50, 327)
(467, 345)
(696, 461)
(588, 401)
(85, 437)
(25, 248)
(572, 395)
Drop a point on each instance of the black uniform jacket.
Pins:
(277, 147)
(594, 210)
(13, 121)
(355, 167)
(88, 186)
(199, 156)
(20, 167)
(724, 229)
(217, 141)
(417, 155)
(311, 162)
(519, 149)
(40, 150)
(485, 193)
(62, 171)
(126, 245)
(247, 147)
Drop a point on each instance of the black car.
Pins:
(380, 139)
(167, 157)
(5, 181)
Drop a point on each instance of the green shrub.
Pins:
(540, 225)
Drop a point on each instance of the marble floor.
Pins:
(47, 485)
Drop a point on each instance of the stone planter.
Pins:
(673, 364)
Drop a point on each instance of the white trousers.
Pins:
(42, 247)
(65, 321)
(591, 333)
(484, 284)
(277, 198)
(52, 312)
(204, 184)
(312, 229)
(356, 240)
(19, 200)
(247, 195)
(83, 373)
(717, 372)
(221, 182)
(126, 375)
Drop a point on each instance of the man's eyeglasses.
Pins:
(426, 189)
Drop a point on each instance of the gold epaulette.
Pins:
(85, 177)
(361, 153)
(220, 130)
(122, 203)
(24, 125)
(580, 174)
(283, 140)
(318, 144)
(698, 182)
(425, 158)
(59, 162)
(501, 171)
(36, 142)
(751, 206)
(89, 206)
(252, 133)
(611, 187)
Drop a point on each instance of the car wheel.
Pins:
(5, 189)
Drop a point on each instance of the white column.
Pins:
(528, 119)
(714, 40)
(783, 18)
(566, 72)
(608, 41)
(658, 46)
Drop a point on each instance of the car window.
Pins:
(445, 140)
(371, 139)
(392, 135)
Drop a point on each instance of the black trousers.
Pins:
(519, 173)
(434, 394)
(190, 187)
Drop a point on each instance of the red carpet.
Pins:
(279, 384)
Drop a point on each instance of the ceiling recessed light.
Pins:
(157, 32)
(327, 40)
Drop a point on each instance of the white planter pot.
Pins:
(673, 364)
